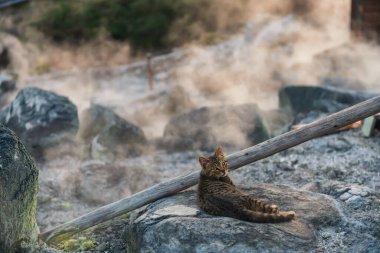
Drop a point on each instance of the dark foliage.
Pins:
(146, 24)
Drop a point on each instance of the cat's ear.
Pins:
(203, 161)
(219, 152)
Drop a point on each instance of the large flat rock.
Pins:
(176, 224)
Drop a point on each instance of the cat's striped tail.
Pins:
(261, 217)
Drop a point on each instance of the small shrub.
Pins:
(42, 68)
(117, 26)
(67, 22)
(144, 23)
(77, 245)
(69, 245)
(87, 244)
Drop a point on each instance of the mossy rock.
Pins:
(18, 194)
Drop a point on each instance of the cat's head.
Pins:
(215, 165)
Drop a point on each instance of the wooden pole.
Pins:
(149, 71)
(290, 139)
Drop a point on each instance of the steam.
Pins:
(100, 52)
(19, 66)
(273, 50)
(283, 42)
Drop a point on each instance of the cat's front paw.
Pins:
(271, 209)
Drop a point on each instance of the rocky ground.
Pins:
(333, 184)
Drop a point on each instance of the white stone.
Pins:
(345, 196)
(28, 125)
(358, 191)
(177, 210)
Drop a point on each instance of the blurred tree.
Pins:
(146, 24)
(66, 22)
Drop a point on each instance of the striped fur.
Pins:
(218, 195)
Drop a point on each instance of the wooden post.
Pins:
(318, 128)
(149, 70)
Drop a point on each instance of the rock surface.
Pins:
(110, 135)
(303, 99)
(7, 84)
(18, 194)
(176, 224)
(167, 102)
(208, 127)
(344, 166)
(94, 119)
(278, 121)
(341, 170)
(101, 183)
(41, 118)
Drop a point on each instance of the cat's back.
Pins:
(210, 185)
(218, 196)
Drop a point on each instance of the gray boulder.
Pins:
(176, 224)
(173, 101)
(176, 100)
(41, 118)
(7, 84)
(111, 136)
(342, 83)
(278, 121)
(120, 140)
(94, 119)
(303, 99)
(18, 194)
(208, 127)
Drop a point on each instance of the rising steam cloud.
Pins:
(284, 42)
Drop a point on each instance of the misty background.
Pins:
(248, 53)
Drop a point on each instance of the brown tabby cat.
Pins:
(218, 195)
